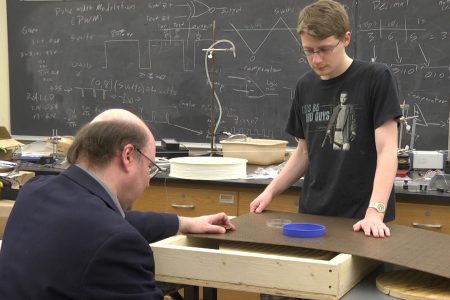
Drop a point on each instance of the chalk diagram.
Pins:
(197, 9)
(172, 45)
(275, 27)
(250, 87)
(181, 45)
(144, 54)
(410, 35)
(165, 119)
(165, 48)
(413, 56)
(421, 120)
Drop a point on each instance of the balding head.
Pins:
(116, 114)
(100, 140)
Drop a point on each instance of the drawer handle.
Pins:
(184, 206)
(226, 199)
(420, 225)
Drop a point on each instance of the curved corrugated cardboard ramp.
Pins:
(413, 248)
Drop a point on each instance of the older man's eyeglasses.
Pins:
(323, 51)
(153, 168)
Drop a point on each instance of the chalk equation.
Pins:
(73, 59)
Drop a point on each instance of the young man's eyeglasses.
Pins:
(321, 51)
(153, 168)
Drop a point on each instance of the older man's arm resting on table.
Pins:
(171, 224)
(218, 223)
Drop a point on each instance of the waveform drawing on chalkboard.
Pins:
(94, 92)
(131, 56)
(275, 27)
(129, 52)
(162, 50)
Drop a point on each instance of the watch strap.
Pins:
(378, 206)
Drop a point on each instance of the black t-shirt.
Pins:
(338, 118)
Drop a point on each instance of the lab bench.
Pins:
(424, 209)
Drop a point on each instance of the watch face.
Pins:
(378, 206)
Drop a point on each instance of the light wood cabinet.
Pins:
(153, 198)
(188, 200)
(196, 200)
(286, 202)
(427, 216)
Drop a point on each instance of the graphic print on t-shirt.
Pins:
(313, 114)
(341, 129)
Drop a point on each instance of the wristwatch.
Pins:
(379, 207)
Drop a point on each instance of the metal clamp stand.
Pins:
(209, 54)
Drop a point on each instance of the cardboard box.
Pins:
(64, 144)
(7, 144)
(18, 179)
(428, 160)
(5, 210)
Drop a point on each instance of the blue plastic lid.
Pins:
(303, 230)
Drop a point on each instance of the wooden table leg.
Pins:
(191, 292)
(209, 293)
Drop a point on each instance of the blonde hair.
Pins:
(323, 19)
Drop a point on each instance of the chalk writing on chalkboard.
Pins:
(70, 60)
(413, 39)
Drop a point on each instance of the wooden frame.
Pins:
(200, 262)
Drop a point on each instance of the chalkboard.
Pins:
(412, 37)
(70, 60)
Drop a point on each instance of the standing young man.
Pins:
(355, 182)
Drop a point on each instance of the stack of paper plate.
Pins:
(208, 168)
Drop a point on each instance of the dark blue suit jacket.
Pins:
(65, 239)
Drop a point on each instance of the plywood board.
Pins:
(5, 210)
(414, 285)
